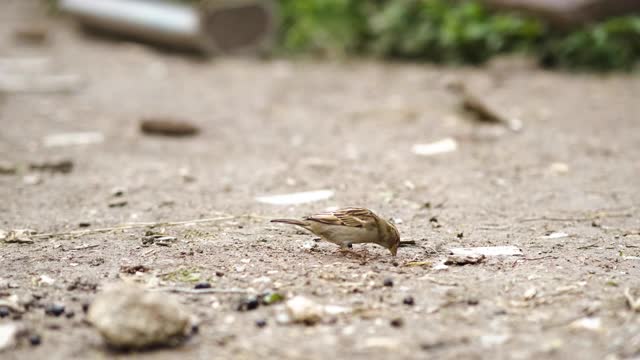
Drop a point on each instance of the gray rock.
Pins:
(128, 317)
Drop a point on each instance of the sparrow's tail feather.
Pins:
(290, 221)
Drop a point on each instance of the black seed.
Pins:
(84, 224)
(408, 301)
(35, 340)
(460, 235)
(433, 219)
(395, 263)
(252, 304)
(70, 314)
(472, 301)
(195, 329)
(219, 274)
(4, 311)
(202, 285)
(261, 323)
(397, 322)
(388, 282)
(54, 309)
(85, 307)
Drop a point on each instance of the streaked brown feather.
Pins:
(353, 217)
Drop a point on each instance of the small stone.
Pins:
(261, 323)
(473, 301)
(7, 168)
(32, 179)
(117, 191)
(118, 203)
(35, 340)
(54, 309)
(85, 307)
(397, 322)
(219, 274)
(408, 301)
(128, 317)
(388, 282)
(4, 311)
(249, 304)
(202, 285)
(84, 224)
(70, 314)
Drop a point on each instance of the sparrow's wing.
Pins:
(352, 217)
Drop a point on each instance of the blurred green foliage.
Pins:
(454, 32)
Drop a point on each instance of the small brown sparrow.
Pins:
(348, 226)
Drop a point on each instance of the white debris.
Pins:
(128, 317)
(587, 323)
(440, 266)
(492, 340)
(558, 168)
(74, 138)
(300, 309)
(487, 251)
(46, 280)
(8, 335)
(20, 236)
(296, 198)
(439, 147)
(382, 343)
(530, 293)
(555, 235)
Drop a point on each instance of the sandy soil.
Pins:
(272, 127)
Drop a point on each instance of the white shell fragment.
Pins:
(555, 235)
(296, 198)
(487, 251)
(439, 147)
(76, 138)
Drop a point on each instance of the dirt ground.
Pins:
(280, 126)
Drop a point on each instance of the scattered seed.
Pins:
(84, 224)
(388, 282)
(219, 274)
(202, 285)
(261, 323)
(408, 301)
(397, 322)
(85, 307)
(70, 314)
(54, 309)
(195, 329)
(35, 340)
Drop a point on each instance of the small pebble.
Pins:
(85, 307)
(408, 301)
(4, 311)
(397, 322)
(219, 274)
(202, 285)
(195, 329)
(54, 309)
(388, 282)
(249, 304)
(395, 263)
(261, 323)
(35, 340)
(84, 224)
(70, 314)
(472, 301)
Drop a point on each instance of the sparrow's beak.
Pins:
(394, 249)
